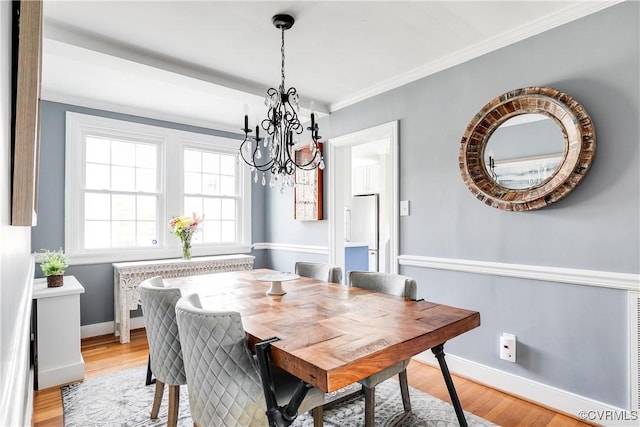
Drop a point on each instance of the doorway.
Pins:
(365, 162)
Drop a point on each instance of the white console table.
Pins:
(128, 275)
(56, 314)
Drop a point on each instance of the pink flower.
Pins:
(184, 227)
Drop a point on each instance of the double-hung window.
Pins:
(121, 192)
(125, 181)
(210, 186)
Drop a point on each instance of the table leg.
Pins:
(438, 351)
(279, 416)
(116, 304)
(124, 319)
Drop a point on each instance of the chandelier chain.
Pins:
(282, 66)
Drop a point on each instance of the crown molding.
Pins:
(136, 111)
(566, 15)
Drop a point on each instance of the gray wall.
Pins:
(570, 336)
(96, 304)
(280, 227)
(286, 260)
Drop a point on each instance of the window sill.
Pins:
(143, 255)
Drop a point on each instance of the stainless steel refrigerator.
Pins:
(363, 225)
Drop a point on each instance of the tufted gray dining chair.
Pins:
(324, 272)
(392, 284)
(225, 387)
(165, 351)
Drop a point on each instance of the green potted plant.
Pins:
(53, 265)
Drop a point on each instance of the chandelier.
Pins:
(277, 151)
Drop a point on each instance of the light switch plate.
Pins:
(404, 208)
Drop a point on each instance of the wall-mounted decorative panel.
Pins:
(26, 72)
(308, 190)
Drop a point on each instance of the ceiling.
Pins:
(198, 62)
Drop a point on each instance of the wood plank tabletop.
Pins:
(330, 335)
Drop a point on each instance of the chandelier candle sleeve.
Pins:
(282, 127)
(312, 107)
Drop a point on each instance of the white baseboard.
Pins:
(105, 328)
(545, 395)
(61, 375)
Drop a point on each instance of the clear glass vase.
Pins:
(186, 249)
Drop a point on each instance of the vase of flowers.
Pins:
(185, 227)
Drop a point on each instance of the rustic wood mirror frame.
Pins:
(579, 148)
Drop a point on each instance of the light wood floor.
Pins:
(105, 354)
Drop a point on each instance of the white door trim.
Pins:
(336, 209)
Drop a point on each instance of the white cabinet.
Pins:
(365, 179)
(56, 320)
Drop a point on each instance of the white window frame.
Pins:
(171, 144)
(196, 143)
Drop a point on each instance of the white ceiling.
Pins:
(198, 62)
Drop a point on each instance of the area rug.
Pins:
(122, 399)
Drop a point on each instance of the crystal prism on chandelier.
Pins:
(276, 152)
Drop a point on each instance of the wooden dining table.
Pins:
(330, 335)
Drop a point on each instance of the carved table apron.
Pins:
(128, 275)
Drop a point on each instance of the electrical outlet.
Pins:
(508, 347)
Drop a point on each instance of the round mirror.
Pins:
(524, 152)
(527, 149)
